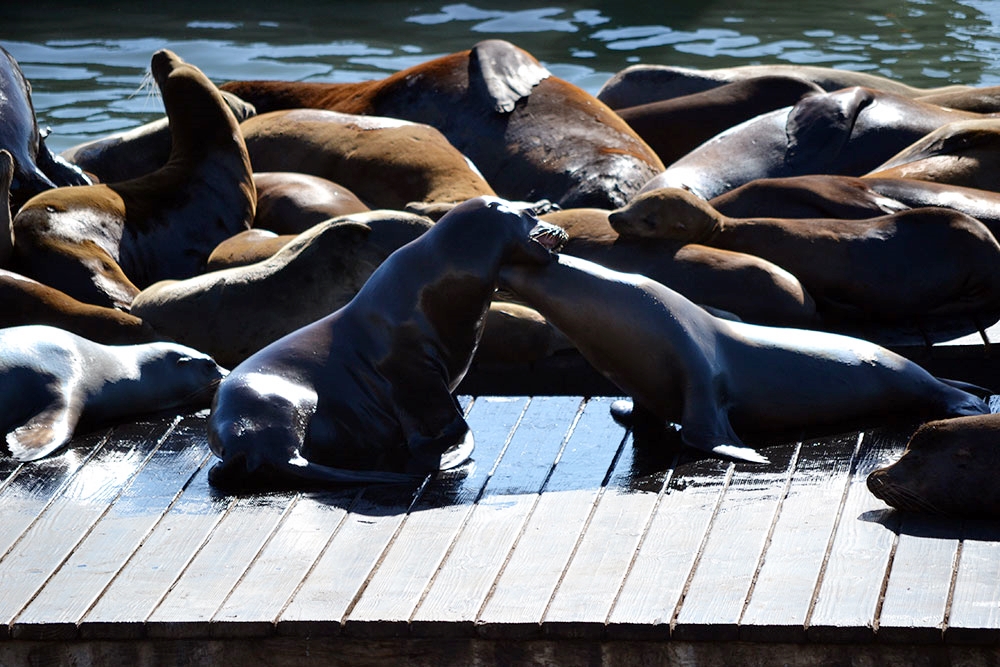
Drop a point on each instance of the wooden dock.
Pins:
(565, 541)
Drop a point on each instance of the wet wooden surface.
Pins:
(562, 529)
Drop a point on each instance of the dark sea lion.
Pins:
(752, 288)
(386, 162)
(138, 151)
(51, 380)
(949, 468)
(853, 268)
(36, 168)
(291, 202)
(532, 135)
(710, 375)
(644, 83)
(232, 313)
(6, 230)
(676, 126)
(369, 387)
(807, 196)
(101, 243)
(846, 132)
(965, 153)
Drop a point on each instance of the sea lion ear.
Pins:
(503, 74)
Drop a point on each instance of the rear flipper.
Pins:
(237, 474)
(44, 433)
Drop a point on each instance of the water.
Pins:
(87, 66)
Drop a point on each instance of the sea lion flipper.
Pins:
(705, 426)
(503, 73)
(44, 433)
(821, 125)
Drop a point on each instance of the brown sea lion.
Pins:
(386, 162)
(985, 99)
(138, 151)
(51, 380)
(965, 153)
(369, 387)
(715, 377)
(291, 202)
(853, 268)
(949, 468)
(36, 168)
(532, 135)
(848, 132)
(678, 125)
(231, 313)
(644, 83)
(101, 243)
(750, 287)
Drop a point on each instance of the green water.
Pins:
(87, 66)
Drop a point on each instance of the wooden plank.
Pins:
(403, 576)
(786, 582)
(253, 607)
(853, 577)
(69, 517)
(72, 590)
(461, 585)
(717, 592)
(916, 595)
(655, 585)
(340, 575)
(137, 589)
(600, 563)
(975, 607)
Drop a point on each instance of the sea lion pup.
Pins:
(847, 132)
(291, 202)
(102, 243)
(682, 365)
(532, 135)
(676, 126)
(386, 162)
(138, 151)
(36, 168)
(853, 268)
(750, 287)
(949, 468)
(961, 153)
(25, 301)
(51, 380)
(644, 83)
(231, 313)
(369, 387)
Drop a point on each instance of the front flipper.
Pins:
(44, 433)
(503, 74)
(705, 426)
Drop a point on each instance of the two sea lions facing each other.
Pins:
(365, 393)
(715, 377)
(855, 269)
(52, 380)
(102, 243)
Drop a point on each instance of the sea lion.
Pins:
(683, 365)
(949, 468)
(291, 202)
(853, 268)
(138, 151)
(848, 132)
(750, 287)
(961, 153)
(369, 387)
(644, 83)
(979, 99)
(231, 313)
(52, 379)
(36, 168)
(532, 135)
(386, 162)
(676, 126)
(6, 232)
(102, 243)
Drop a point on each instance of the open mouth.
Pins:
(550, 237)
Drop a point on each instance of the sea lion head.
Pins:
(525, 238)
(188, 377)
(665, 213)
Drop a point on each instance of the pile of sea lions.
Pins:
(349, 250)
